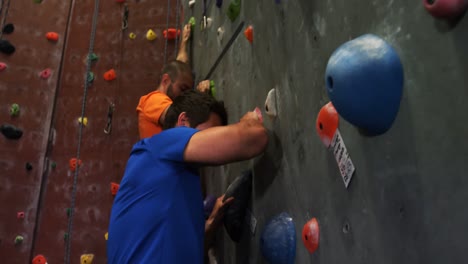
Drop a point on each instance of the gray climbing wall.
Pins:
(406, 201)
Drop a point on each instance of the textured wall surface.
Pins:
(405, 202)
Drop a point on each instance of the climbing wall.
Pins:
(405, 202)
(49, 112)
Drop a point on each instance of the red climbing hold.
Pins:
(327, 123)
(110, 75)
(20, 215)
(73, 163)
(39, 259)
(114, 188)
(171, 33)
(446, 8)
(52, 36)
(310, 235)
(3, 66)
(249, 34)
(45, 74)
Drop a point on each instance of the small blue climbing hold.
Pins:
(278, 241)
(364, 80)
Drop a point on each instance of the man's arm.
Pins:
(221, 145)
(182, 55)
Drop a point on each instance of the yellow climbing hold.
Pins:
(106, 235)
(86, 258)
(83, 120)
(150, 35)
(132, 35)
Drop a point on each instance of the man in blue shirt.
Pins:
(157, 216)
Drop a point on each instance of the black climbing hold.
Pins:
(6, 47)
(8, 29)
(10, 131)
(234, 216)
(29, 166)
(219, 3)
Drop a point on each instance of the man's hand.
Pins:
(186, 32)
(204, 86)
(217, 214)
(252, 118)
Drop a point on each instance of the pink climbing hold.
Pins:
(45, 74)
(20, 215)
(3, 66)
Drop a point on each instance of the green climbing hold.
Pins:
(93, 57)
(53, 165)
(65, 236)
(212, 89)
(90, 77)
(68, 212)
(192, 22)
(234, 9)
(18, 240)
(14, 110)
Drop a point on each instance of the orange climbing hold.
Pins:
(249, 34)
(171, 33)
(52, 36)
(110, 75)
(74, 162)
(310, 235)
(327, 123)
(114, 188)
(39, 259)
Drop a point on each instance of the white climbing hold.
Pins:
(270, 103)
(191, 3)
(209, 22)
(220, 33)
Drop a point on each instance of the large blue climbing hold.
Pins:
(278, 241)
(364, 79)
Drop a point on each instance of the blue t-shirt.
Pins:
(157, 215)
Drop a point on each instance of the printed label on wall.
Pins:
(342, 157)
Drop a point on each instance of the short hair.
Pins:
(176, 68)
(198, 106)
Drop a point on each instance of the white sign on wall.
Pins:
(342, 157)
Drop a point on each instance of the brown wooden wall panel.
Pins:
(20, 83)
(137, 63)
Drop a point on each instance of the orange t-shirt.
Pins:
(149, 110)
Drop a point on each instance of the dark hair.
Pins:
(197, 106)
(175, 68)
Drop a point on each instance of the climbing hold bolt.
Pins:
(29, 166)
(132, 35)
(114, 188)
(270, 103)
(18, 240)
(14, 110)
(3, 66)
(52, 36)
(83, 120)
(86, 258)
(249, 34)
(310, 235)
(20, 215)
(150, 35)
(45, 74)
(110, 75)
(10, 131)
